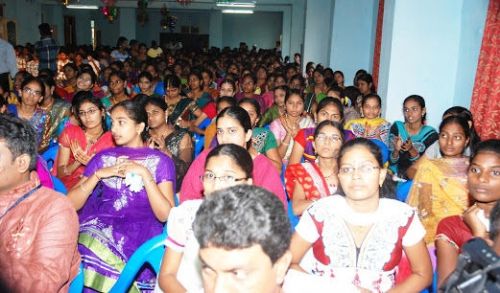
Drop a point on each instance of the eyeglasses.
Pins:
(30, 91)
(88, 112)
(322, 138)
(363, 169)
(211, 178)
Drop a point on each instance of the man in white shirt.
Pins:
(8, 63)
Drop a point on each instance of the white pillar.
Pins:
(317, 35)
(429, 48)
(353, 36)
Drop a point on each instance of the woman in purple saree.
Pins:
(123, 199)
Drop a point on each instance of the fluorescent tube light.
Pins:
(237, 5)
(80, 6)
(238, 11)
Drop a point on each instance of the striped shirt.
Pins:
(47, 50)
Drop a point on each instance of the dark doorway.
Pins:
(69, 31)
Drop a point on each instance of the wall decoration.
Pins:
(110, 11)
(142, 14)
(184, 2)
(167, 20)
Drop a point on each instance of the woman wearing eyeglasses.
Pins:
(360, 237)
(226, 165)
(79, 143)
(234, 126)
(310, 181)
(32, 90)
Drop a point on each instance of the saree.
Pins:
(75, 133)
(206, 104)
(439, 190)
(305, 137)
(172, 144)
(59, 110)
(115, 221)
(39, 121)
(279, 132)
(309, 176)
(183, 109)
(377, 128)
(272, 113)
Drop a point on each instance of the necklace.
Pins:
(19, 200)
(94, 138)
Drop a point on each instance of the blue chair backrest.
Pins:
(150, 252)
(50, 155)
(76, 285)
(199, 143)
(294, 220)
(59, 186)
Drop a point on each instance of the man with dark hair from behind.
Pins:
(244, 236)
(46, 48)
(38, 226)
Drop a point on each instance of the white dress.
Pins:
(334, 253)
(181, 239)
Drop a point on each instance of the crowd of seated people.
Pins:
(145, 145)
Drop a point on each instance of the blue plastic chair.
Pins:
(59, 186)
(199, 143)
(50, 155)
(402, 190)
(150, 252)
(294, 220)
(199, 140)
(76, 285)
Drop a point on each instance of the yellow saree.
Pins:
(439, 190)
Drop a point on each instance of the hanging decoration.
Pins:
(110, 11)
(167, 20)
(184, 2)
(142, 14)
